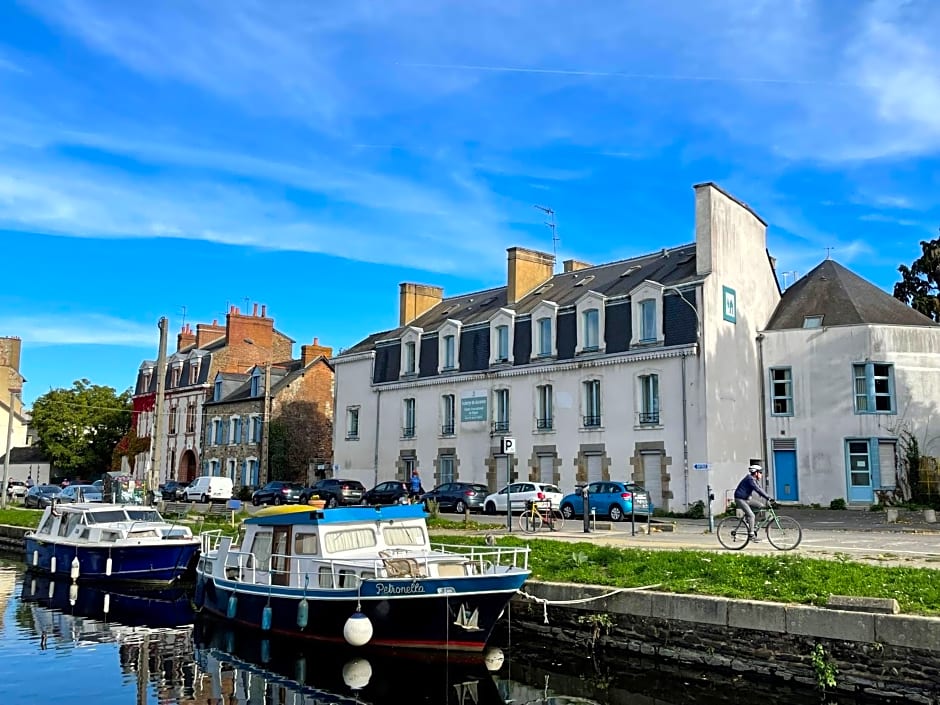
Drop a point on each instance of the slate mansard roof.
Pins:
(842, 298)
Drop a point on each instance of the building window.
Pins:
(502, 343)
(408, 420)
(501, 411)
(250, 477)
(781, 391)
(590, 322)
(231, 463)
(172, 421)
(175, 377)
(215, 434)
(812, 321)
(648, 321)
(543, 421)
(172, 465)
(445, 469)
(448, 404)
(649, 400)
(235, 432)
(544, 336)
(217, 390)
(256, 424)
(592, 403)
(874, 388)
(352, 423)
(190, 418)
(449, 347)
(193, 373)
(410, 357)
(145, 381)
(255, 390)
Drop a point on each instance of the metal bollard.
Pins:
(586, 509)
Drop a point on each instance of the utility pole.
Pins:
(265, 421)
(156, 454)
(6, 458)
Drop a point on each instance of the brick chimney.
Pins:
(416, 299)
(206, 333)
(527, 270)
(309, 353)
(573, 265)
(185, 338)
(250, 338)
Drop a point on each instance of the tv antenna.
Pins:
(551, 224)
(183, 313)
(829, 252)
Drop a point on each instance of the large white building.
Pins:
(633, 370)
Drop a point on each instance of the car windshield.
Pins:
(50, 489)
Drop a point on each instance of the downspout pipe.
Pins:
(762, 382)
(375, 454)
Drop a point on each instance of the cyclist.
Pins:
(742, 495)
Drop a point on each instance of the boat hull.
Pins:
(417, 614)
(166, 563)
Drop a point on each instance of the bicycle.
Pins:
(538, 513)
(783, 533)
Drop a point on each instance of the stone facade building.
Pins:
(11, 383)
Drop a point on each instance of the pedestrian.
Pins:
(29, 481)
(416, 489)
(749, 485)
(65, 483)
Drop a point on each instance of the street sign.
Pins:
(701, 466)
(507, 445)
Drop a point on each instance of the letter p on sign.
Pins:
(507, 445)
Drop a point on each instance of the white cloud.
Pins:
(80, 329)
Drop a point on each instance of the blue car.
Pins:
(610, 499)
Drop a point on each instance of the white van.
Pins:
(209, 488)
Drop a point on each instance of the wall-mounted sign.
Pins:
(729, 304)
(473, 406)
(507, 445)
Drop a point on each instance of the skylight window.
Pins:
(585, 280)
(812, 321)
(630, 270)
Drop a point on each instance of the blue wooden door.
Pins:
(785, 477)
(858, 461)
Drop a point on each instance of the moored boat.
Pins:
(366, 575)
(112, 543)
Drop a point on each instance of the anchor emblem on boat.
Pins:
(466, 619)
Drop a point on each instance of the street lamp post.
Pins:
(6, 458)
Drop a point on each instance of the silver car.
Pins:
(80, 493)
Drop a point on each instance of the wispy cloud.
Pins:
(79, 329)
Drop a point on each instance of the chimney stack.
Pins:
(573, 265)
(416, 299)
(528, 269)
(250, 339)
(186, 338)
(206, 333)
(309, 353)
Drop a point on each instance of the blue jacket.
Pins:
(747, 486)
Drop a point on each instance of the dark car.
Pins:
(335, 491)
(386, 493)
(458, 496)
(172, 491)
(41, 496)
(277, 492)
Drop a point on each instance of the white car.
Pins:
(522, 492)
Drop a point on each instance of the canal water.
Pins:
(62, 643)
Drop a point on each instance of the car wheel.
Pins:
(278, 499)
(204, 499)
(255, 501)
(616, 513)
(460, 507)
(490, 508)
(567, 510)
(332, 503)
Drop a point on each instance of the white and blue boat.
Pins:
(364, 575)
(112, 543)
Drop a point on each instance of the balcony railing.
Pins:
(544, 424)
(447, 429)
(408, 432)
(500, 426)
(648, 418)
(350, 436)
(592, 421)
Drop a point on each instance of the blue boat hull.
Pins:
(421, 614)
(156, 565)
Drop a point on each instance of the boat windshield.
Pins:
(105, 516)
(144, 515)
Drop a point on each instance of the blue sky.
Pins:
(312, 155)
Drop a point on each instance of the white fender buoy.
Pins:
(35, 558)
(358, 630)
(107, 602)
(357, 673)
(107, 566)
(494, 658)
(51, 588)
(73, 594)
(32, 587)
(52, 565)
(75, 569)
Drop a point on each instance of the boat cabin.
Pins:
(94, 522)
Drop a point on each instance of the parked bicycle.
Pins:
(538, 513)
(784, 533)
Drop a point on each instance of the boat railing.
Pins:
(241, 566)
(508, 556)
(210, 540)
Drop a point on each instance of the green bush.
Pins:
(838, 503)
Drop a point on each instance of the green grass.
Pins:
(784, 578)
(18, 516)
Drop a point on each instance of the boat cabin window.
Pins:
(345, 578)
(144, 534)
(349, 540)
(144, 515)
(306, 545)
(68, 522)
(46, 526)
(403, 536)
(261, 548)
(106, 516)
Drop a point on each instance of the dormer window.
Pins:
(410, 357)
(410, 342)
(145, 380)
(647, 314)
(543, 327)
(193, 372)
(591, 318)
(448, 352)
(175, 374)
(502, 326)
(449, 348)
(502, 343)
(648, 321)
(255, 383)
(217, 389)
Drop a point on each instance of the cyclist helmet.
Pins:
(755, 468)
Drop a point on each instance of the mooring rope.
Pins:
(581, 600)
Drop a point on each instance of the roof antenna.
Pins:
(183, 310)
(829, 252)
(551, 224)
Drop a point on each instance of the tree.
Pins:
(78, 428)
(299, 435)
(919, 287)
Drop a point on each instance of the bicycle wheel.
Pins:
(732, 533)
(784, 533)
(529, 522)
(558, 520)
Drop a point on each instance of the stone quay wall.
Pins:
(868, 654)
